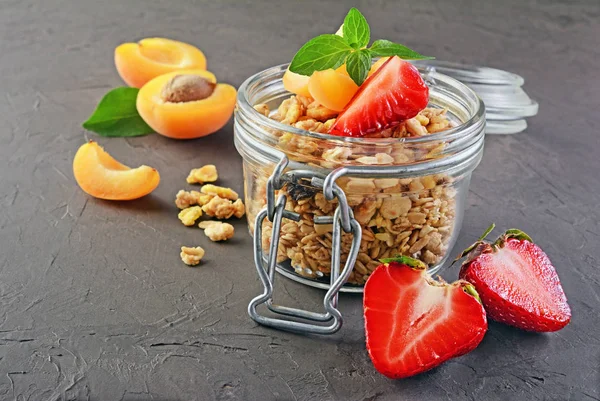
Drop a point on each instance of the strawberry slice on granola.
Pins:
(394, 93)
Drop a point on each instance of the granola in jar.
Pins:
(407, 216)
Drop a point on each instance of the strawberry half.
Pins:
(396, 92)
(517, 283)
(414, 323)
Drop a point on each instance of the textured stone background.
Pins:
(94, 301)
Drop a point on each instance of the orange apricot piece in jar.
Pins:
(342, 70)
(186, 104)
(332, 89)
(296, 83)
(138, 63)
(101, 176)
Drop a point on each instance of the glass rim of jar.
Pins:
(475, 105)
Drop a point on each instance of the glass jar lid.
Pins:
(506, 102)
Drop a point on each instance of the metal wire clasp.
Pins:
(342, 219)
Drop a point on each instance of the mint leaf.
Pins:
(385, 48)
(116, 115)
(358, 65)
(321, 53)
(356, 29)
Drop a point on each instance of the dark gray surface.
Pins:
(94, 300)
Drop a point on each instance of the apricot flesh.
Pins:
(138, 63)
(101, 176)
(332, 89)
(296, 83)
(186, 119)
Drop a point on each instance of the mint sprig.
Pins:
(116, 115)
(320, 53)
(331, 51)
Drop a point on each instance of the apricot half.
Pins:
(186, 104)
(331, 88)
(100, 175)
(138, 63)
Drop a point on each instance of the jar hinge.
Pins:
(342, 219)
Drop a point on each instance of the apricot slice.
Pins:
(296, 83)
(342, 70)
(138, 63)
(377, 64)
(186, 104)
(101, 176)
(332, 89)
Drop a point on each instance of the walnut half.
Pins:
(216, 230)
(191, 256)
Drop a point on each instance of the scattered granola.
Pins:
(203, 175)
(216, 201)
(408, 216)
(189, 215)
(191, 256)
(222, 192)
(216, 230)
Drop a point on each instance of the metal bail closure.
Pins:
(291, 318)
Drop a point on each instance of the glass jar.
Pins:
(408, 194)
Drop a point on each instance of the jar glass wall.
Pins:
(409, 196)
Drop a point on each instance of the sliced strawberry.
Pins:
(414, 323)
(517, 283)
(396, 92)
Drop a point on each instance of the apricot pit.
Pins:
(186, 104)
(187, 88)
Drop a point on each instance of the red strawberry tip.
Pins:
(405, 260)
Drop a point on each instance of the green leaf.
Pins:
(487, 232)
(385, 48)
(476, 243)
(470, 289)
(518, 234)
(116, 115)
(321, 53)
(356, 29)
(405, 260)
(358, 65)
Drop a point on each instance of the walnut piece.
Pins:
(221, 192)
(223, 208)
(203, 174)
(291, 110)
(379, 158)
(191, 256)
(263, 109)
(395, 206)
(216, 230)
(189, 215)
(319, 112)
(185, 199)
